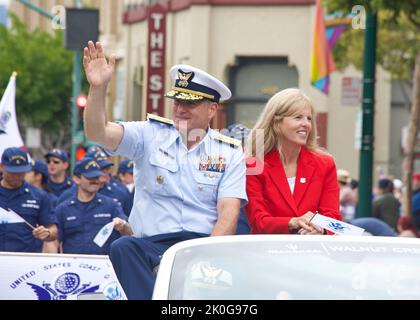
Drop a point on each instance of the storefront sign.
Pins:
(351, 91)
(156, 59)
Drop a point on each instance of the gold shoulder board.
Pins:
(154, 117)
(228, 140)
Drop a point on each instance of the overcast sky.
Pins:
(4, 1)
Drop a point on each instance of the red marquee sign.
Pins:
(156, 59)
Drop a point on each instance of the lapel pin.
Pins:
(302, 180)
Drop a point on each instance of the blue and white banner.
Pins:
(37, 276)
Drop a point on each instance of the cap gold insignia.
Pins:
(159, 179)
(184, 77)
(17, 158)
(91, 164)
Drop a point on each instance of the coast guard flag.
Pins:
(336, 226)
(10, 217)
(9, 130)
(104, 234)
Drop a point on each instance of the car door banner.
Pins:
(37, 276)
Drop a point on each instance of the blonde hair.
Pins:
(283, 104)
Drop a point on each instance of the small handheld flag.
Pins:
(9, 216)
(103, 235)
(336, 226)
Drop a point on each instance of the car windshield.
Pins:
(296, 270)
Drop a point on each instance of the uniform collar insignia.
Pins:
(232, 142)
(156, 118)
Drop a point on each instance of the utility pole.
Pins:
(76, 79)
(40, 10)
(368, 111)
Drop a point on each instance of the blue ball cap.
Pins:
(385, 184)
(58, 153)
(97, 148)
(193, 84)
(88, 167)
(40, 166)
(238, 131)
(15, 160)
(125, 166)
(100, 157)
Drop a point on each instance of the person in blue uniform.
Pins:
(81, 217)
(189, 178)
(112, 187)
(38, 177)
(106, 187)
(240, 132)
(125, 174)
(29, 202)
(58, 163)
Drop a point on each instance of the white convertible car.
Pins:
(253, 267)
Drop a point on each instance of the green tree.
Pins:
(398, 51)
(43, 89)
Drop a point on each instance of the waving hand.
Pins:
(98, 70)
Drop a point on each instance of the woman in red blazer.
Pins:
(289, 177)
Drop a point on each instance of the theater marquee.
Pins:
(156, 59)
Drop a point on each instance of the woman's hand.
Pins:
(302, 225)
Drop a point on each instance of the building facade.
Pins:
(257, 47)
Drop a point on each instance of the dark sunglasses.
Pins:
(54, 161)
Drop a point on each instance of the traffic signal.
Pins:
(82, 25)
(81, 101)
(80, 153)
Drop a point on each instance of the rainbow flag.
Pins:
(322, 61)
(334, 27)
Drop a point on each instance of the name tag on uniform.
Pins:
(166, 154)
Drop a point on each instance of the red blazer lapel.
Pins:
(278, 177)
(304, 173)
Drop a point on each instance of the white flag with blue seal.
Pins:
(7, 216)
(9, 130)
(104, 234)
(336, 226)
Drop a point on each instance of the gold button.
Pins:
(159, 179)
